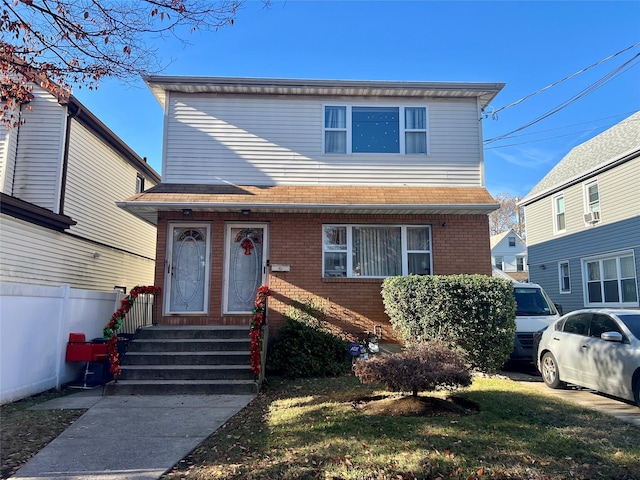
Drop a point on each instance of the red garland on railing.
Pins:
(110, 332)
(259, 310)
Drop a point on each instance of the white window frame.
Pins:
(349, 247)
(556, 213)
(168, 267)
(524, 263)
(590, 207)
(600, 259)
(495, 262)
(402, 130)
(514, 241)
(561, 289)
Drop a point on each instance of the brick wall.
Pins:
(460, 245)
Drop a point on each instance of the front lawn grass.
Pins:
(24, 432)
(314, 429)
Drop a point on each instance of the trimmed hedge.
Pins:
(475, 312)
(301, 350)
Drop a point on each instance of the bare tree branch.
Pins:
(56, 43)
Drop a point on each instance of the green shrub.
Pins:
(475, 312)
(425, 366)
(305, 347)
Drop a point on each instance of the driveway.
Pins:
(621, 409)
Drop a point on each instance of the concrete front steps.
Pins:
(191, 360)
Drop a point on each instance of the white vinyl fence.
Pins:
(35, 323)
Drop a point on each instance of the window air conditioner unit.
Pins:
(592, 217)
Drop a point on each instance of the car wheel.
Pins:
(550, 372)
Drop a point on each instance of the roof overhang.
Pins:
(311, 200)
(160, 85)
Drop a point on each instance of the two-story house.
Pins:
(318, 188)
(509, 254)
(64, 244)
(583, 222)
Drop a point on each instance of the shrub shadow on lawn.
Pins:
(420, 406)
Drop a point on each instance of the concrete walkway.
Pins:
(129, 437)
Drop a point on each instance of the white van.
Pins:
(534, 311)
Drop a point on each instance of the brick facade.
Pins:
(460, 244)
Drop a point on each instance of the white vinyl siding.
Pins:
(39, 256)
(97, 177)
(7, 159)
(279, 141)
(38, 165)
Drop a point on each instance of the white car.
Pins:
(593, 348)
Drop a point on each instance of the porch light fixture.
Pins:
(245, 211)
(186, 211)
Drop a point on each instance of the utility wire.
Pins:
(494, 113)
(626, 114)
(591, 88)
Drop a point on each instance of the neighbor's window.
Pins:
(592, 197)
(498, 262)
(565, 279)
(611, 281)
(512, 241)
(519, 264)
(376, 250)
(139, 184)
(558, 211)
(375, 129)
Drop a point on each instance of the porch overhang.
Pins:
(310, 200)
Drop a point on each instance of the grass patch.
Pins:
(24, 432)
(312, 429)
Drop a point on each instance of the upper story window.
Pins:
(139, 184)
(376, 250)
(592, 202)
(375, 129)
(512, 241)
(558, 213)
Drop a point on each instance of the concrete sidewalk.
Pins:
(129, 437)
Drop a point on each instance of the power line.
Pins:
(494, 113)
(626, 114)
(552, 138)
(591, 88)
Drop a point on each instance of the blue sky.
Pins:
(527, 45)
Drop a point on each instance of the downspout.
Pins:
(65, 156)
(15, 153)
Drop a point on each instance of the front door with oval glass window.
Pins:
(245, 265)
(187, 268)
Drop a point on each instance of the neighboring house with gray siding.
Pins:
(583, 222)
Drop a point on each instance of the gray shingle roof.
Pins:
(606, 148)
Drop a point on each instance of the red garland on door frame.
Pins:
(259, 310)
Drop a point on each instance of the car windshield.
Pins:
(532, 301)
(632, 321)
